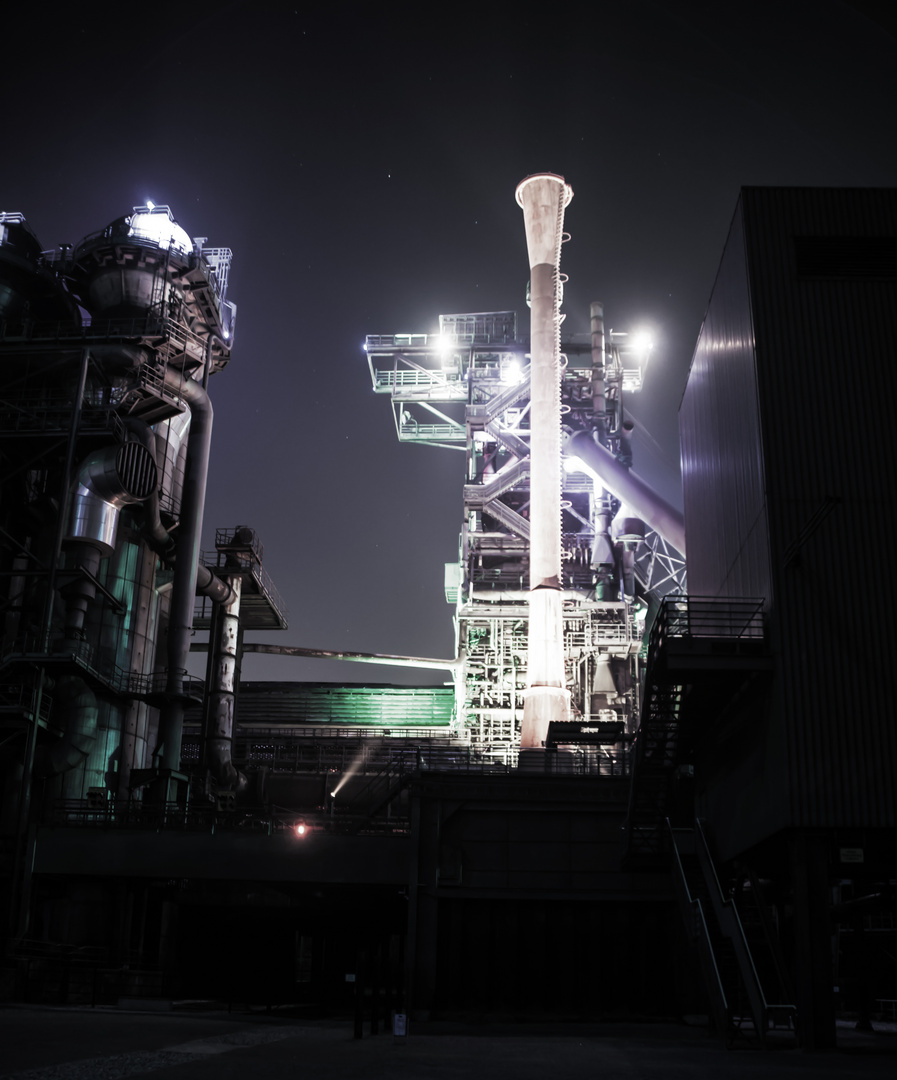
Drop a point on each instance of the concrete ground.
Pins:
(93, 1044)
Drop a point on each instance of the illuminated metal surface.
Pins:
(476, 376)
(543, 199)
(480, 360)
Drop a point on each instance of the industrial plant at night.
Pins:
(658, 778)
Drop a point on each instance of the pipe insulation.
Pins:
(543, 198)
(107, 480)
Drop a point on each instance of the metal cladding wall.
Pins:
(814, 272)
(263, 703)
(720, 444)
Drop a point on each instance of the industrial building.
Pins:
(637, 794)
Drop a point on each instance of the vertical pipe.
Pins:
(543, 198)
(180, 626)
(220, 733)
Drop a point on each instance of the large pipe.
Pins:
(171, 445)
(180, 625)
(423, 662)
(156, 533)
(207, 584)
(543, 198)
(220, 732)
(630, 489)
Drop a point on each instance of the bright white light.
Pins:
(511, 374)
(444, 345)
(301, 828)
(160, 227)
(150, 205)
(642, 343)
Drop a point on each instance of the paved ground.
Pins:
(85, 1044)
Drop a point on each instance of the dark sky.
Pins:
(362, 164)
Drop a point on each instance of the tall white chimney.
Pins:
(544, 197)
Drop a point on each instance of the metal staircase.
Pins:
(701, 651)
(383, 788)
(741, 1002)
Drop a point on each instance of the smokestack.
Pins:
(544, 197)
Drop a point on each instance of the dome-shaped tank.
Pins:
(29, 292)
(129, 269)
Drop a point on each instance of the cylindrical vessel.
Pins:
(543, 198)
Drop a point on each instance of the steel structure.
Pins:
(105, 433)
(470, 387)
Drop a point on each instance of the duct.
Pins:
(630, 489)
(207, 584)
(602, 550)
(604, 693)
(171, 447)
(107, 480)
(220, 731)
(156, 533)
(180, 626)
(543, 198)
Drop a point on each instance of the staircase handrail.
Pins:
(730, 924)
(693, 914)
(771, 937)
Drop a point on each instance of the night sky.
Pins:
(361, 163)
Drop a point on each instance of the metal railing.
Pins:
(726, 911)
(204, 605)
(111, 675)
(319, 752)
(414, 432)
(414, 377)
(696, 924)
(206, 817)
(51, 973)
(731, 619)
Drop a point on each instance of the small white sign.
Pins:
(350, 978)
(851, 854)
(399, 1024)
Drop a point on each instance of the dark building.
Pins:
(788, 457)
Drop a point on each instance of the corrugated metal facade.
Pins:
(262, 703)
(789, 458)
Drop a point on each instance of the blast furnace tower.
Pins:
(469, 387)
